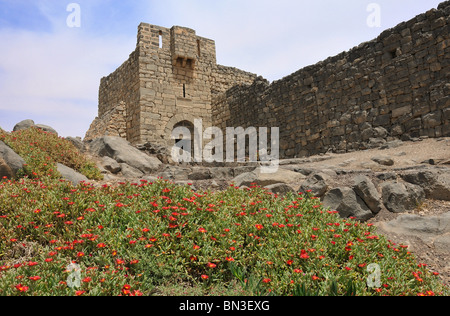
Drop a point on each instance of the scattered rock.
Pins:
(25, 124)
(392, 144)
(347, 203)
(436, 185)
(383, 160)
(245, 179)
(316, 183)
(264, 179)
(367, 191)
(280, 189)
(200, 174)
(123, 152)
(11, 159)
(71, 175)
(384, 176)
(402, 197)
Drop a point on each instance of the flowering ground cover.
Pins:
(160, 239)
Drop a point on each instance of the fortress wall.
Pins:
(223, 78)
(396, 86)
(118, 101)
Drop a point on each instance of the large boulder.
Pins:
(71, 175)
(11, 159)
(433, 230)
(402, 197)
(123, 152)
(367, 191)
(46, 128)
(25, 124)
(317, 183)
(435, 184)
(347, 203)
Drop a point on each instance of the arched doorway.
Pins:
(186, 140)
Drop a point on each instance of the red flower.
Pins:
(202, 230)
(229, 259)
(205, 277)
(35, 278)
(267, 281)
(21, 288)
(211, 265)
(101, 245)
(304, 255)
(259, 227)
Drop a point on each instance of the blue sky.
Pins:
(50, 72)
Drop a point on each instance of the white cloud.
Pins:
(56, 75)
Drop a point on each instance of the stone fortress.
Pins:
(394, 87)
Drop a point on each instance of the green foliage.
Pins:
(42, 151)
(150, 235)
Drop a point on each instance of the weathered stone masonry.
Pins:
(168, 80)
(395, 86)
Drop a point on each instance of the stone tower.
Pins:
(168, 81)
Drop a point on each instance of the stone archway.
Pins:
(190, 126)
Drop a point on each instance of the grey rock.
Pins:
(77, 142)
(392, 144)
(47, 129)
(367, 191)
(130, 172)
(376, 142)
(433, 230)
(5, 170)
(280, 189)
(70, 174)
(264, 179)
(25, 124)
(435, 184)
(244, 169)
(317, 183)
(11, 158)
(347, 203)
(123, 152)
(111, 165)
(222, 172)
(200, 174)
(384, 176)
(402, 197)
(383, 160)
(245, 179)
